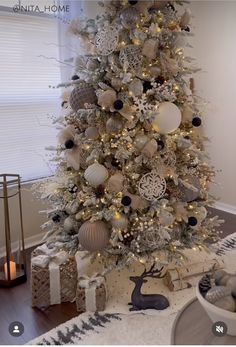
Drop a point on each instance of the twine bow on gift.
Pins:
(93, 281)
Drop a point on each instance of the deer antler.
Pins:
(157, 273)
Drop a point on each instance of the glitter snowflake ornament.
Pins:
(151, 186)
(143, 109)
(106, 40)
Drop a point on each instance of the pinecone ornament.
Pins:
(205, 284)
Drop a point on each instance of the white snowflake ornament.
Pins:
(151, 186)
(143, 109)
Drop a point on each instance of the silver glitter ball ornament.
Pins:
(82, 97)
(129, 17)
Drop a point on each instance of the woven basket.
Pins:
(40, 282)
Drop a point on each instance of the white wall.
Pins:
(214, 26)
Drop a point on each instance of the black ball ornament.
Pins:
(69, 144)
(56, 218)
(160, 144)
(115, 162)
(192, 221)
(196, 122)
(147, 86)
(133, 2)
(75, 77)
(118, 105)
(126, 200)
(160, 80)
(187, 29)
(99, 191)
(64, 103)
(72, 188)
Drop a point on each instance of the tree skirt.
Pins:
(110, 329)
(148, 327)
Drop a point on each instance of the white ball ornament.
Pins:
(167, 119)
(119, 221)
(69, 224)
(94, 236)
(96, 174)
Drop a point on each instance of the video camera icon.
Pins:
(219, 329)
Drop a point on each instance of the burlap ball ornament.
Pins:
(94, 236)
(82, 96)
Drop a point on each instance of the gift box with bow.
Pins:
(53, 277)
(91, 293)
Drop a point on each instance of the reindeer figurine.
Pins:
(141, 301)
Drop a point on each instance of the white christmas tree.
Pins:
(132, 178)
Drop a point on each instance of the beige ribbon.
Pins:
(90, 284)
(53, 260)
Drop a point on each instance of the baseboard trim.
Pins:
(225, 207)
(29, 242)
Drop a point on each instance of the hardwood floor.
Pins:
(15, 304)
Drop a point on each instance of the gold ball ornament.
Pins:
(94, 236)
(167, 118)
(82, 96)
(96, 174)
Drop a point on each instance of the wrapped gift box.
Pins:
(91, 294)
(53, 277)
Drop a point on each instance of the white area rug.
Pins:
(122, 327)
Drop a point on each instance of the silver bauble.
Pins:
(218, 274)
(129, 17)
(96, 174)
(188, 194)
(113, 125)
(81, 96)
(91, 133)
(94, 236)
(136, 87)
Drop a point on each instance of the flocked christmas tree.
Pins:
(132, 178)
